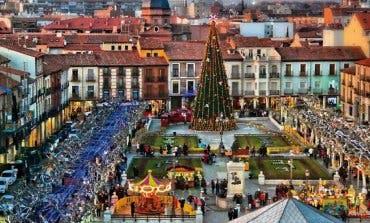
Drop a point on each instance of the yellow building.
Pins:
(149, 47)
(357, 32)
(355, 91)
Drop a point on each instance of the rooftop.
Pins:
(150, 44)
(22, 50)
(9, 70)
(242, 41)
(365, 62)
(185, 50)
(326, 53)
(349, 70)
(8, 82)
(364, 19)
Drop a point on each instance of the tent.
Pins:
(288, 210)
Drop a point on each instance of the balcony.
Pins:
(261, 58)
(235, 93)
(135, 72)
(248, 58)
(274, 92)
(332, 91)
(249, 93)
(75, 79)
(262, 75)
(317, 91)
(288, 91)
(302, 74)
(235, 75)
(175, 74)
(90, 96)
(75, 96)
(288, 73)
(274, 75)
(262, 92)
(302, 91)
(249, 75)
(317, 73)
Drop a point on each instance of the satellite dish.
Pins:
(156, 29)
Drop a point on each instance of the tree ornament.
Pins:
(207, 59)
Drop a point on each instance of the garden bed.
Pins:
(278, 168)
(258, 141)
(157, 141)
(159, 165)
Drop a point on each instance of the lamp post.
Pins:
(221, 120)
(290, 162)
(307, 174)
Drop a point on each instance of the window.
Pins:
(121, 71)
(75, 91)
(106, 83)
(274, 69)
(175, 70)
(90, 91)
(112, 47)
(135, 94)
(258, 52)
(90, 75)
(190, 86)
(119, 47)
(317, 84)
(249, 86)
(74, 75)
(120, 83)
(235, 71)
(332, 69)
(317, 70)
(175, 87)
(274, 86)
(162, 76)
(106, 71)
(135, 82)
(126, 47)
(190, 71)
(250, 53)
(147, 54)
(155, 54)
(346, 65)
(303, 70)
(288, 70)
(235, 88)
(263, 71)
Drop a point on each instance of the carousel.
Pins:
(149, 189)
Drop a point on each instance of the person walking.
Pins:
(230, 213)
(217, 187)
(213, 185)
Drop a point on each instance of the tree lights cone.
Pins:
(213, 105)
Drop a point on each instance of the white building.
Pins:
(267, 29)
(333, 37)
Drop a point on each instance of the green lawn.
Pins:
(158, 165)
(258, 141)
(282, 171)
(158, 140)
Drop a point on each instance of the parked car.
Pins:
(3, 185)
(7, 203)
(10, 175)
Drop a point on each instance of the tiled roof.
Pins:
(84, 23)
(22, 50)
(150, 44)
(365, 62)
(31, 40)
(83, 47)
(349, 70)
(347, 11)
(9, 70)
(185, 50)
(4, 60)
(8, 82)
(54, 63)
(96, 38)
(364, 19)
(310, 34)
(228, 53)
(326, 53)
(242, 41)
(287, 210)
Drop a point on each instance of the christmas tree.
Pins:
(213, 111)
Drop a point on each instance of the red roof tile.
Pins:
(96, 38)
(54, 63)
(22, 50)
(365, 62)
(91, 24)
(9, 70)
(364, 19)
(185, 50)
(8, 82)
(349, 70)
(242, 41)
(150, 44)
(321, 53)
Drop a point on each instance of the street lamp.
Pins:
(307, 174)
(221, 121)
(290, 162)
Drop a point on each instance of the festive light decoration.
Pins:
(213, 110)
(149, 186)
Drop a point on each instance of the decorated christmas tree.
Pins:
(213, 110)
